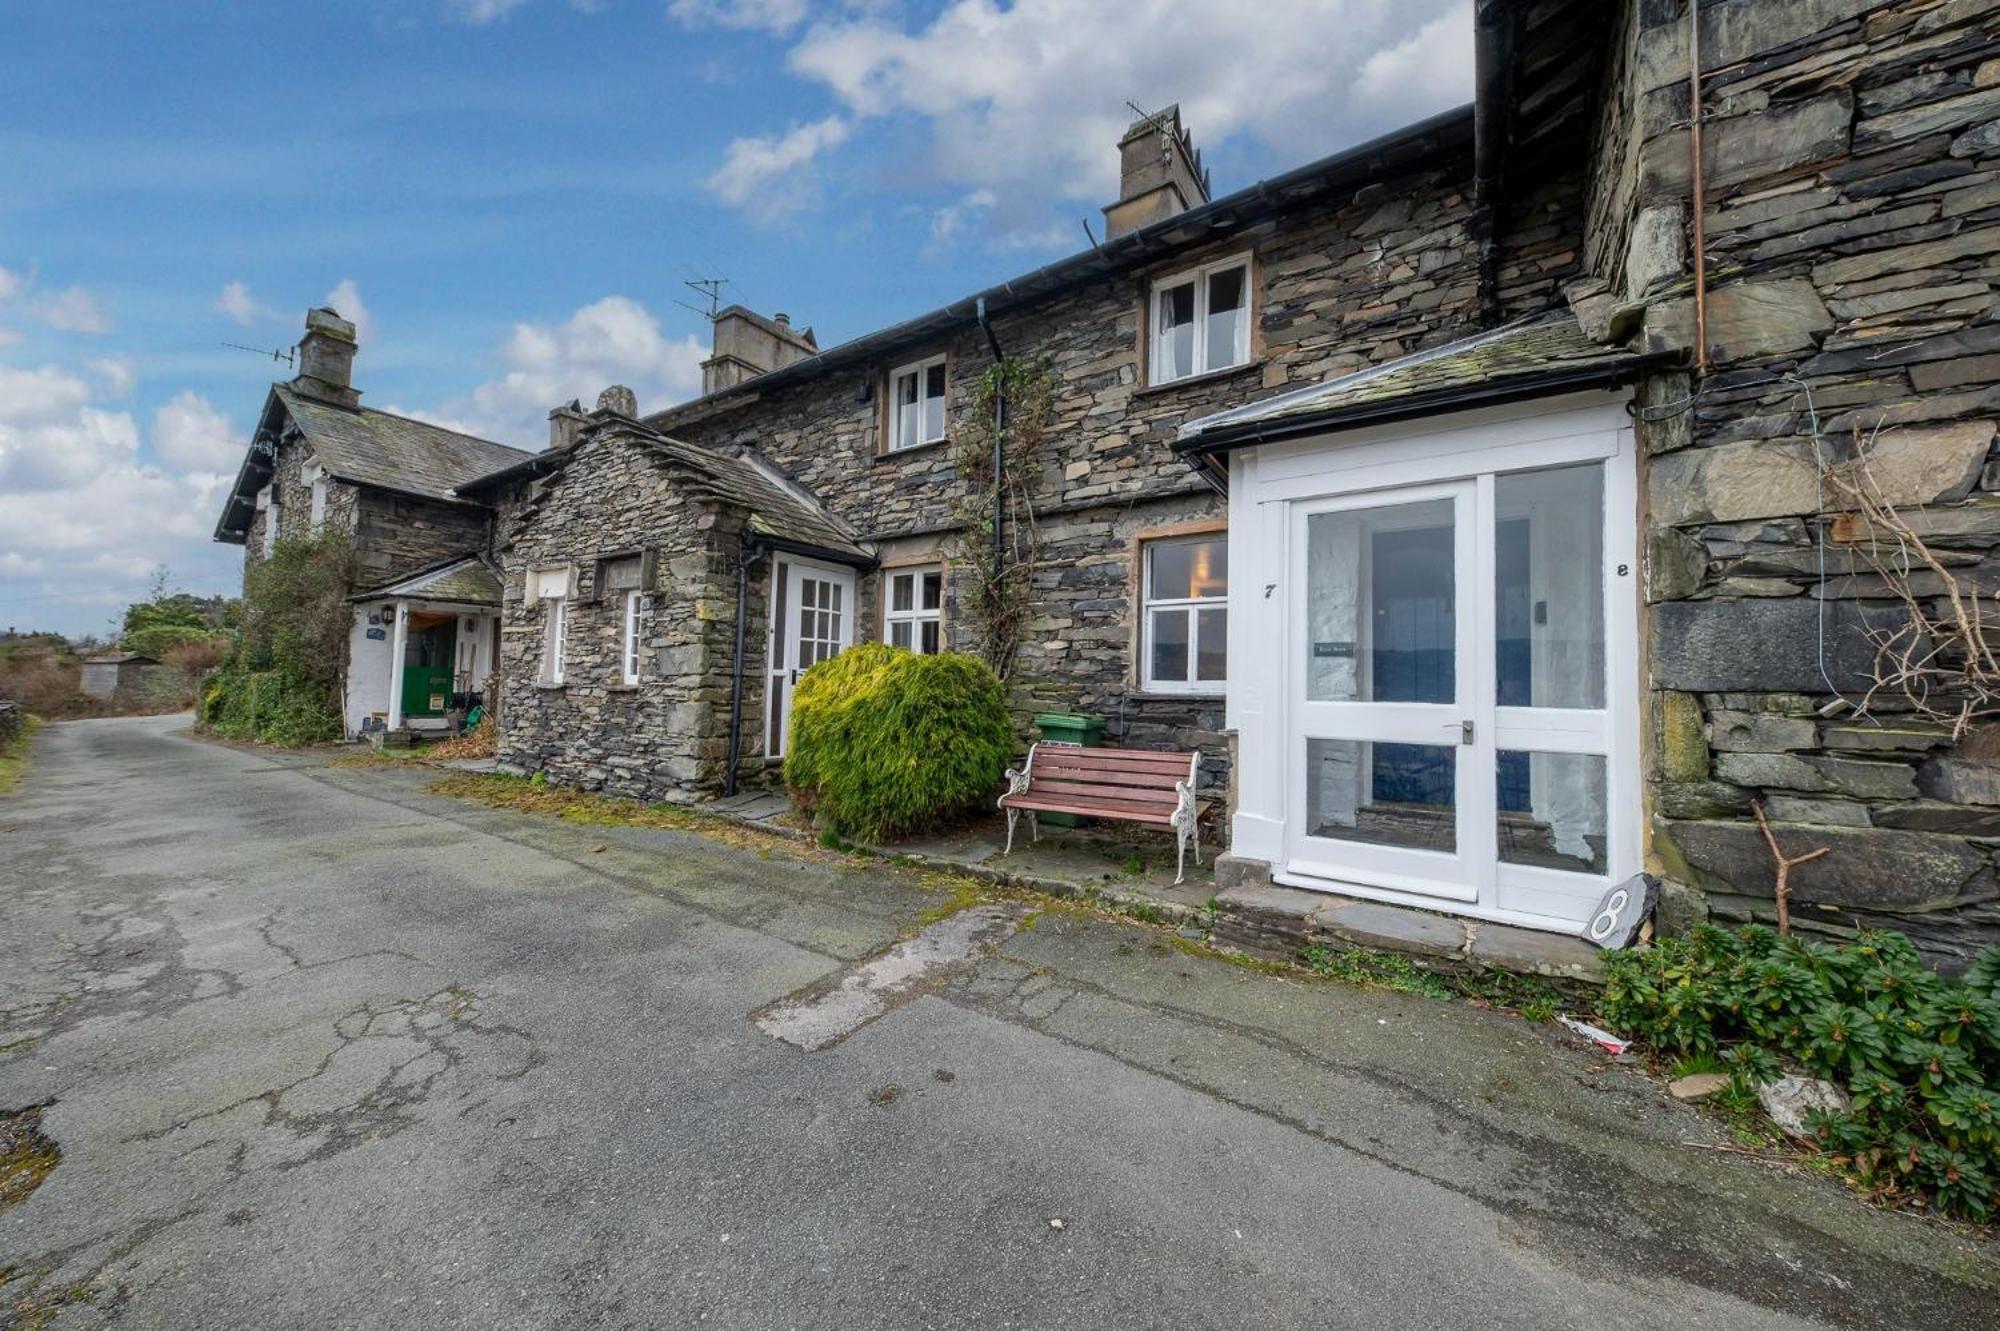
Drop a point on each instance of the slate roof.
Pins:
(1544, 352)
(779, 508)
(395, 452)
(464, 580)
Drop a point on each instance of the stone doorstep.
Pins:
(1270, 920)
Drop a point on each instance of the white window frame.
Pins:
(1191, 606)
(555, 615)
(267, 500)
(921, 369)
(316, 477)
(629, 654)
(1156, 325)
(916, 616)
(555, 637)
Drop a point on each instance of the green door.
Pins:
(427, 669)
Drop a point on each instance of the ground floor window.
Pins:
(629, 654)
(913, 609)
(620, 581)
(1184, 621)
(550, 587)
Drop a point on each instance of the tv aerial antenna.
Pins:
(283, 355)
(710, 291)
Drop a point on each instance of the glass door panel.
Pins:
(1383, 634)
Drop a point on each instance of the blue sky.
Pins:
(507, 195)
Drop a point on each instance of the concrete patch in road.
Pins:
(829, 1011)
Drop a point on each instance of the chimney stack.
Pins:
(747, 345)
(1159, 174)
(566, 425)
(326, 359)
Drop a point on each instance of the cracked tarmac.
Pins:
(323, 1050)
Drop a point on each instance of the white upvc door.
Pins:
(1460, 685)
(812, 619)
(1387, 736)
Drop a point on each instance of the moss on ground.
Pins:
(14, 756)
(27, 1155)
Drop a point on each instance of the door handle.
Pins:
(1465, 732)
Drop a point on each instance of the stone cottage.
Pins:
(1501, 506)
(426, 600)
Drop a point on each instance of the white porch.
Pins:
(423, 652)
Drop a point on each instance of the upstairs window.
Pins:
(913, 610)
(267, 500)
(315, 475)
(1201, 321)
(916, 405)
(1184, 640)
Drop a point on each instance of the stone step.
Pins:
(1263, 918)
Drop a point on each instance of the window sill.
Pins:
(893, 454)
(1182, 695)
(550, 685)
(1205, 377)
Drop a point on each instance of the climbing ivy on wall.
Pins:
(281, 684)
(993, 584)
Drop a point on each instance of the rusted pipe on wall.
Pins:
(1700, 193)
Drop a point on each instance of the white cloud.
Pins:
(51, 437)
(8, 337)
(1427, 72)
(115, 374)
(191, 435)
(779, 16)
(770, 177)
(613, 340)
(73, 310)
(951, 221)
(11, 283)
(477, 12)
(1029, 100)
(85, 515)
(237, 302)
(345, 299)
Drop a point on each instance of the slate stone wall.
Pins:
(1852, 159)
(666, 737)
(399, 534)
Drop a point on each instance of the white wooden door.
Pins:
(812, 619)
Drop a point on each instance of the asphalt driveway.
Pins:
(322, 1050)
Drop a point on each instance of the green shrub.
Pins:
(885, 742)
(281, 682)
(1920, 1054)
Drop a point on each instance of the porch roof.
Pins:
(463, 580)
(1540, 354)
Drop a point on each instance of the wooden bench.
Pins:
(1123, 785)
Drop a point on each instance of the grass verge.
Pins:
(14, 756)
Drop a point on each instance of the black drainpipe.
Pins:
(749, 555)
(999, 425)
(1492, 129)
